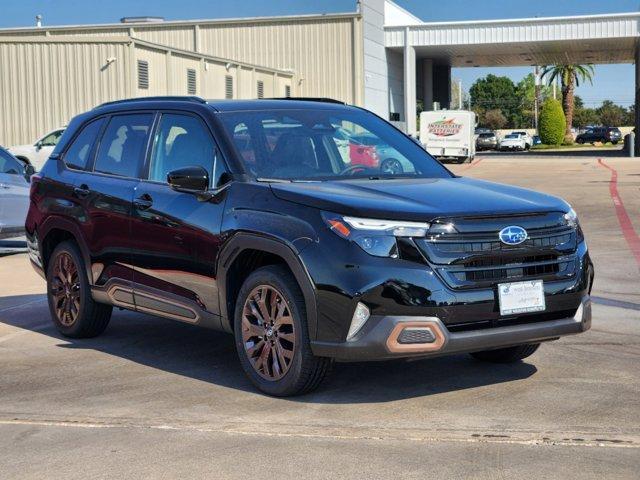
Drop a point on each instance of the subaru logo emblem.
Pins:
(513, 235)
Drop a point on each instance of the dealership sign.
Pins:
(445, 128)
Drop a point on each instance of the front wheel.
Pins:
(272, 338)
(391, 166)
(506, 355)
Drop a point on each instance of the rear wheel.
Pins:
(506, 355)
(74, 313)
(391, 166)
(272, 336)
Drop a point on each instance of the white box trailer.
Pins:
(449, 134)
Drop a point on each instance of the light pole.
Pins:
(536, 100)
(459, 94)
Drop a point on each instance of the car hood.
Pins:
(20, 148)
(417, 199)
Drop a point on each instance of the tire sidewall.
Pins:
(283, 386)
(72, 250)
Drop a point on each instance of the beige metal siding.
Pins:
(44, 84)
(174, 36)
(158, 79)
(319, 52)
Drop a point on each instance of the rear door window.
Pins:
(124, 144)
(77, 155)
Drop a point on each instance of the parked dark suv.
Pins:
(600, 134)
(249, 217)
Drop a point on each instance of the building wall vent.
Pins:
(228, 86)
(143, 74)
(191, 81)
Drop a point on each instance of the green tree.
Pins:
(496, 93)
(526, 92)
(611, 115)
(494, 119)
(570, 77)
(552, 122)
(584, 116)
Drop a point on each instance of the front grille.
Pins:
(475, 258)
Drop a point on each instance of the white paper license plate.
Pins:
(521, 297)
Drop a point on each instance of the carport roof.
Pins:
(610, 38)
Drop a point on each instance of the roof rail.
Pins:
(308, 99)
(176, 98)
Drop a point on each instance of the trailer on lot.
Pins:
(449, 134)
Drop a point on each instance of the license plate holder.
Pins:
(521, 297)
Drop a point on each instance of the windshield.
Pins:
(325, 145)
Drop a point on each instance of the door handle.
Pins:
(82, 191)
(4, 186)
(144, 202)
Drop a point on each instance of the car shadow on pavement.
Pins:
(211, 357)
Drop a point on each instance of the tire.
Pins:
(304, 372)
(506, 355)
(615, 142)
(90, 318)
(580, 141)
(391, 165)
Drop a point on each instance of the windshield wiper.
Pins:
(273, 180)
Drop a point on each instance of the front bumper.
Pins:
(377, 340)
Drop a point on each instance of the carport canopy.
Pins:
(596, 39)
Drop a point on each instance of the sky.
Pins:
(613, 82)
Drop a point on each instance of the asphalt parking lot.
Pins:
(157, 399)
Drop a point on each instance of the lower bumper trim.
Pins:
(373, 342)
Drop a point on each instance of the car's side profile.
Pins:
(600, 134)
(14, 194)
(246, 217)
(37, 153)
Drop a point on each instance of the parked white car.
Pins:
(513, 141)
(14, 194)
(528, 139)
(38, 153)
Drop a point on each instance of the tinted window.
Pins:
(123, 145)
(182, 141)
(77, 154)
(325, 144)
(10, 165)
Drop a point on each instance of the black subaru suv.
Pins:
(259, 218)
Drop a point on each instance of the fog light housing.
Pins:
(360, 317)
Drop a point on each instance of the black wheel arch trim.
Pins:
(248, 241)
(58, 223)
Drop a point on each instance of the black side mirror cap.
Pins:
(28, 171)
(193, 179)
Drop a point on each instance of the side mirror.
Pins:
(189, 179)
(38, 146)
(28, 171)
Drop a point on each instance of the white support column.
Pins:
(637, 103)
(409, 85)
(427, 83)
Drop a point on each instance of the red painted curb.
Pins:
(630, 235)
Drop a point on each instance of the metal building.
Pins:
(380, 56)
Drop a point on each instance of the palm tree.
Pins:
(570, 77)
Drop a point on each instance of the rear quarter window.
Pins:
(77, 155)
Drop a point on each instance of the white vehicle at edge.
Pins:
(14, 195)
(528, 139)
(38, 153)
(449, 134)
(513, 141)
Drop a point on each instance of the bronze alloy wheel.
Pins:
(268, 332)
(65, 289)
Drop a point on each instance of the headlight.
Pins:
(571, 218)
(376, 237)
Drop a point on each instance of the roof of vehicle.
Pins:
(230, 105)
